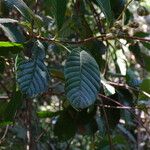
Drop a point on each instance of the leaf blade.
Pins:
(106, 9)
(32, 74)
(82, 79)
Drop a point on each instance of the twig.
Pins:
(128, 87)
(42, 133)
(102, 37)
(5, 89)
(124, 9)
(115, 107)
(30, 142)
(130, 110)
(4, 135)
(68, 144)
(107, 127)
(4, 97)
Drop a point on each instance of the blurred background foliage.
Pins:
(119, 118)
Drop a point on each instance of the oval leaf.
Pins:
(32, 74)
(82, 79)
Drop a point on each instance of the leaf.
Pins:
(7, 47)
(25, 11)
(113, 121)
(65, 127)
(32, 74)
(108, 88)
(55, 73)
(22, 8)
(146, 59)
(141, 34)
(4, 11)
(132, 78)
(142, 59)
(127, 133)
(145, 87)
(101, 126)
(82, 79)
(59, 10)
(12, 106)
(11, 30)
(106, 9)
(48, 114)
(146, 45)
(117, 7)
(10, 45)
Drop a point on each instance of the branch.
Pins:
(107, 127)
(30, 142)
(5, 89)
(130, 110)
(128, 87)
(4, 135)
(104, 37)
(124, 9)
(41, 134)
(115, 107)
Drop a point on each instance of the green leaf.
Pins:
(55, 73)
(59, 10)
(142, 58)
(11, 30)
(106, 9)
(145, 87)
(22, 8)
(13, 106)
(25, 11)
(6, 47)
(32, 74)
(113, 121)
(65, 127)
(141, 34)
(146, 59)
(146, 45)
(127, 133)
(10, 45)
(117, 7)
(82, 79)
(48, 114)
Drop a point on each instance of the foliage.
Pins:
(74, 74)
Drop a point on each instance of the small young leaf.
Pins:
(82, 79)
